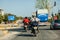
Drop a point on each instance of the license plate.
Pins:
(25, 26)
(35, 27)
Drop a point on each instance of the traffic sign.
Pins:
(11, 18)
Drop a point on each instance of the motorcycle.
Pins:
(34, 29)
(26, 26)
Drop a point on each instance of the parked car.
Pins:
(55, 24)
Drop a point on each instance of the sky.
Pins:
(18, 7)
(24, 7)
(55, 8)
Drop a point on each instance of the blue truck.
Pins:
(42, 14)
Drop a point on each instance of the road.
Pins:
(44, 34)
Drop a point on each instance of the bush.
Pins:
(49, 20)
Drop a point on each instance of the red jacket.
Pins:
(26, 20)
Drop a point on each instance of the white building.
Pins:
(2, 12)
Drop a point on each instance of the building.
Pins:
(2, 12)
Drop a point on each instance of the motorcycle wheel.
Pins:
(34, 35)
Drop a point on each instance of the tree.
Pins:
(6, 17)
(1, 18)
(20, 17)
(40, 4)
(59, 16)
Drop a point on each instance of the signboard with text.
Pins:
(11, 18)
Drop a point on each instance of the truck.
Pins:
(42, 14)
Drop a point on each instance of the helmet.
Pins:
(25, 17)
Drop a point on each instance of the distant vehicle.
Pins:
(42, 14)
(55, 24)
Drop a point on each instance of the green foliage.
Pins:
(1, 18)
(58, 16)
(50, 20)
(6, 17)
(40, 4)
(20, 17)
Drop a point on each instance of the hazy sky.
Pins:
(23, 7)
(55, 8)
(18, 7)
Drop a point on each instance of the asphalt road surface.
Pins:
(44, 34)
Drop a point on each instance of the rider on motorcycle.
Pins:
(35, 21)
(26, 21)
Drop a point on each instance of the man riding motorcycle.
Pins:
(34, 24)
(26, 22)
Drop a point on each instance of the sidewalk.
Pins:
(6, 35)
(9, 36)
(3, 26)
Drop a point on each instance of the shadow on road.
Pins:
(25, 35)
(49, 29)
(44, 29)
(54, 29)
(17, 29)
(22, 29)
